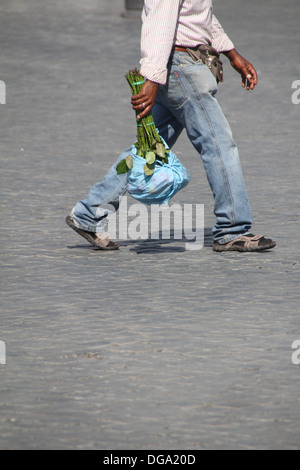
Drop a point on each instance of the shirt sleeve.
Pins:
(160, 18)
(220, 40)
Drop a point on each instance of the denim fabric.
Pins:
(187, 101)
(103, 199)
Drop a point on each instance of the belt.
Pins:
(180, 49)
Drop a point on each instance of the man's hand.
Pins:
(145, 100)
(245, 68)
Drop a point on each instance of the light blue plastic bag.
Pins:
(162, 185)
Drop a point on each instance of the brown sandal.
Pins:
(91, 237)
(250, 243)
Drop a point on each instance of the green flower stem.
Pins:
(147, 135)
(149, 144)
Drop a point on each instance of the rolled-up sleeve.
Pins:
(220, 40)
(160, 18)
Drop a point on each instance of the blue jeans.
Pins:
(187, 101)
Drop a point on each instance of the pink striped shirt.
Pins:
(185, 23)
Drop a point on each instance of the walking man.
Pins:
(178, 42)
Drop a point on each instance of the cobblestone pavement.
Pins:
(150, 347)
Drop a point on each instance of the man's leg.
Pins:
(190, 96)
(168, 126)
(91, 213)
(89, 216)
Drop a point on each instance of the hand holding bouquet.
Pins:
(155, 173)
(149, 144)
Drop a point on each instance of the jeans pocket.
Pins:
(186, 60)
(174, 91)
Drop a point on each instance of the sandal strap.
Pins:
(249, 241)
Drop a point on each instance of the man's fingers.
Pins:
(138, 100)
(140, 106)
(249, 79)
(144, 113)
(145, 100)
(141, 103)
(252, 72)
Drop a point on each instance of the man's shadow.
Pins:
(175, 243)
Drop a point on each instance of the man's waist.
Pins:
(203, 49)
(180, 49)
(208, 55)
(193, 48)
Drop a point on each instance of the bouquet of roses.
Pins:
(155, 172)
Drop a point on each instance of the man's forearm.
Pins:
(231, 54)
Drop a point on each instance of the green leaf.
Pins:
(149, 169)
(160, 150)
(150, 157)
(122, 167)
(166, 156)
(129, 162)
